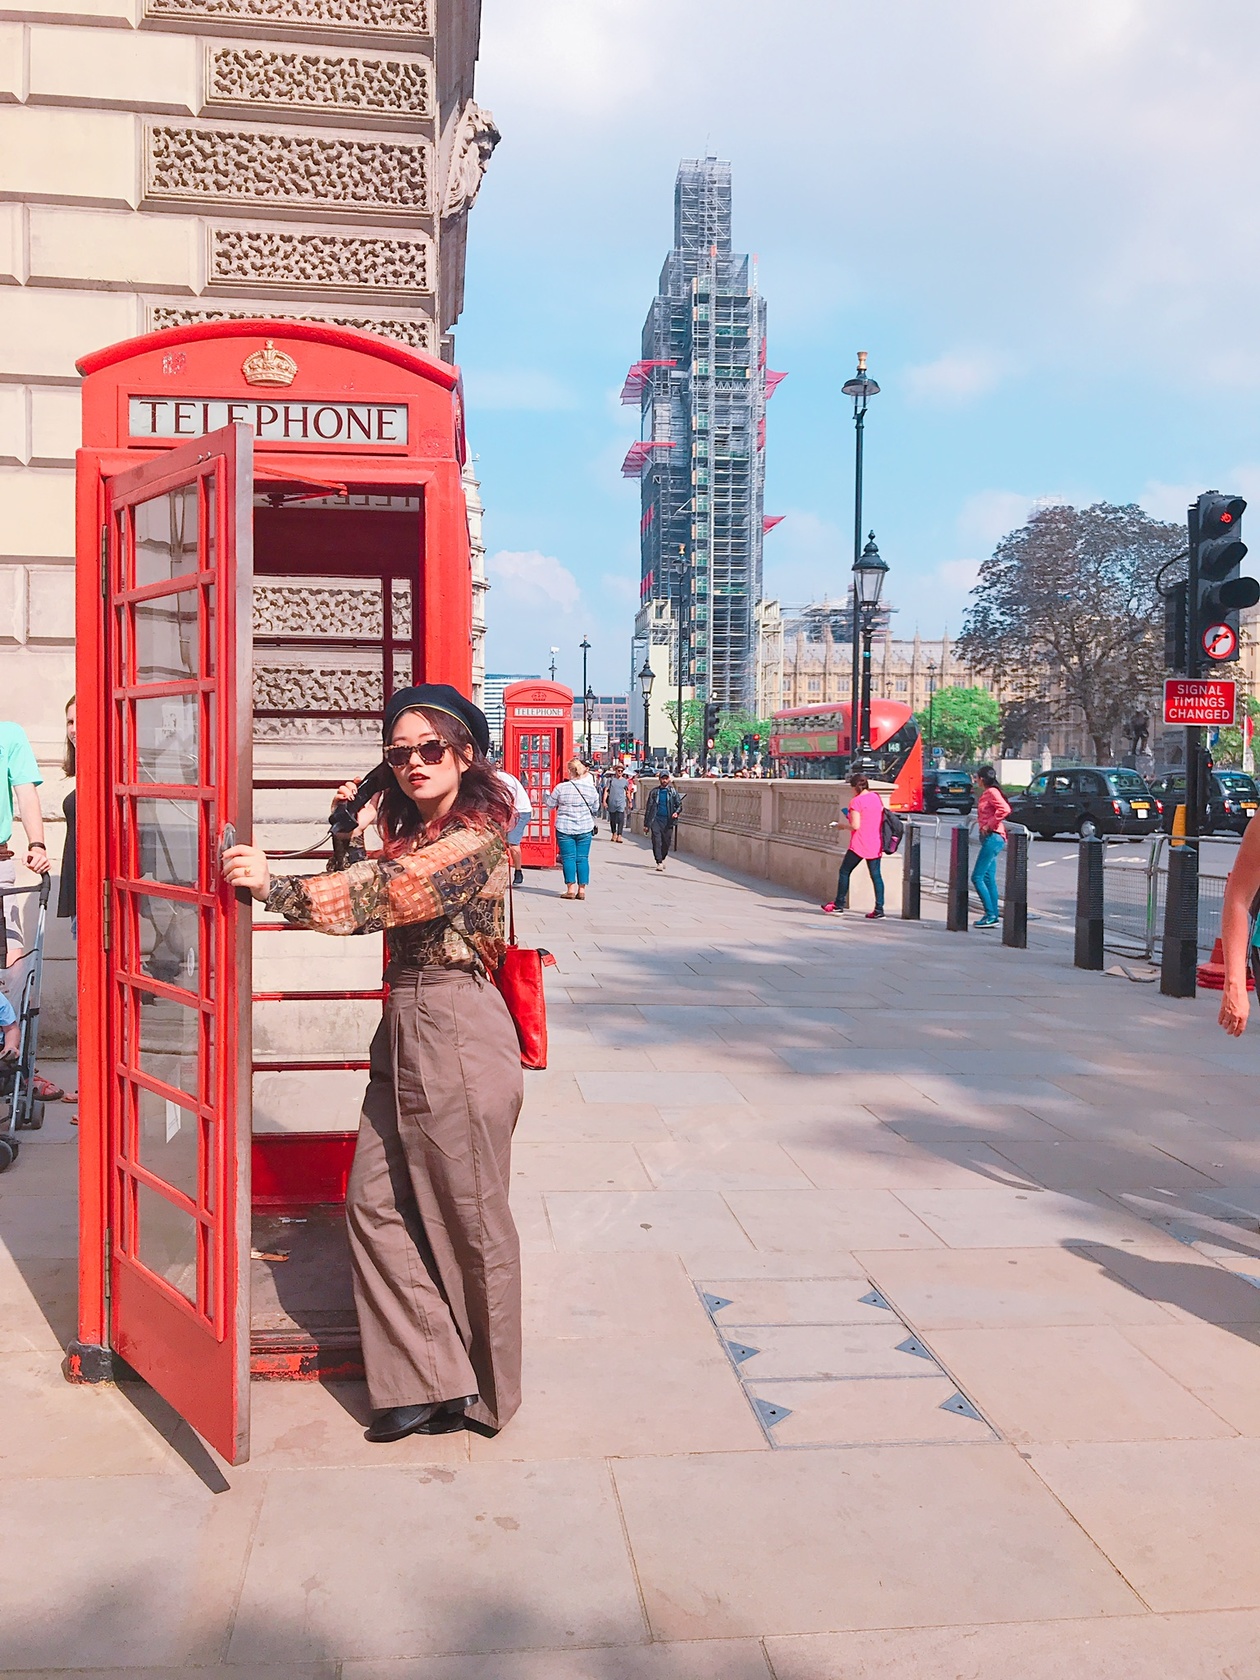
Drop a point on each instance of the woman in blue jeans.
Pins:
(575, 803)
(991, 808)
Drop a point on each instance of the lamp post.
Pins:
(647, 676)
(586, 702)
(678, 658)
(931, 707)
(869, 572)
(861, 388)
(554, 652)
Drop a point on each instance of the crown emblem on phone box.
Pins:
(269, 366)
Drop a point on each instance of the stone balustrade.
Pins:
(777, 830)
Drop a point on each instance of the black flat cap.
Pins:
(438, 697)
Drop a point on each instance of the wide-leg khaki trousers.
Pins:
(437, 1276)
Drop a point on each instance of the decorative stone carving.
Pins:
(306, 81)
(291, 168)
(418, 332)
(473, 142)
(367, 17)
(322, 610)
(324, 688)
(270, 257)
(318, 729)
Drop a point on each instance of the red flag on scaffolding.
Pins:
(770, 520)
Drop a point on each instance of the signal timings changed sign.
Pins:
(1199, 701)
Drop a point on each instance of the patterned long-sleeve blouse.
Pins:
(440, 903)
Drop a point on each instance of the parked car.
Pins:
(948, 790)
(1232, 799)
(1087, 802)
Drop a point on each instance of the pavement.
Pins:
(892, 1313)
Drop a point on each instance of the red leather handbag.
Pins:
(520, 983)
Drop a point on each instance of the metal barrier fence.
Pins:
(1135, 882)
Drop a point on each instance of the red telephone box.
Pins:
(537, 746)
(318, 468)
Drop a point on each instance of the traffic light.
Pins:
(712, 714)
(1175, 640)
(1217, 553)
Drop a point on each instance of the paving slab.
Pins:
(1210, 1646)
(831, 1545)
(721, 1659)
(868, 1413)
(394, 1563)
(943, 1289)
(660, 1219)
(846, 1219)
(1176, 1518)
(993, 1215)
(1083, 1383)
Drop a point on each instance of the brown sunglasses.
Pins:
(431, 752)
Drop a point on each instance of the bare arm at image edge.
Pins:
(1240, 891)
(32, 820)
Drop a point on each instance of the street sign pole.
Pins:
(1195, 804)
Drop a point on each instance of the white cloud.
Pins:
(518, 388)
(988, 515)
(953, 378)
(621, 589)
(532, 579)
(1167, 501)
(959, 575)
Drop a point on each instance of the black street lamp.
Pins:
(861, 388)
(682, 568)
(647, 676)
(931, 708)
(586, 702)
(869, 572)
(554, 652)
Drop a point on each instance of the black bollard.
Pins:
(1015, 907)
(956, 904)
(911, 872)
(1179, 965)
(1089, 905)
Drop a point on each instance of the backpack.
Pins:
(891, 832)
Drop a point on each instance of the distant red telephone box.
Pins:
(272, 538)
(537, 745)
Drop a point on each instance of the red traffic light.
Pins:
(1219, 513)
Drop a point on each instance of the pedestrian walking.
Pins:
(1239, 935)
(660, 817)
(616, 801)
(436, 1258)
(991, 808)
(864, 815)
(522, 811)
(575, 802)
(19, 778)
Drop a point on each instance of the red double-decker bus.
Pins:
(813, 743)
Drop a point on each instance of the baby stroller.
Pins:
(21, 1108)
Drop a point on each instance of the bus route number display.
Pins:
(1200, 702)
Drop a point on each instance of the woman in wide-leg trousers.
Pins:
(435, 1252)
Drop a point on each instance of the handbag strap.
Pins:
(511, 908)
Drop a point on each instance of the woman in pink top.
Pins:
(991, 808)
(866, 843)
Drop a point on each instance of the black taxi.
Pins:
(1089, 802)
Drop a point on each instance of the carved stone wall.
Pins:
(250, 257)
(312, 607)
(321, 688)
(268, 168)
(419, 332)
(367, 17)
(307, 81)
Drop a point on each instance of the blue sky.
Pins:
(1040, 219)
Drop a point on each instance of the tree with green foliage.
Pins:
(732, 727)
(1228, 749)
(1066, 609)
(964, 722)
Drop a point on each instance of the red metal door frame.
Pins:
(187, 1336)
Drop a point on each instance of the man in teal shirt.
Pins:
(19, 778)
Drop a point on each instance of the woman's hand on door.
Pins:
(247, 867)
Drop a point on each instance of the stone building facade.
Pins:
(174, 161)
(804, 659)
